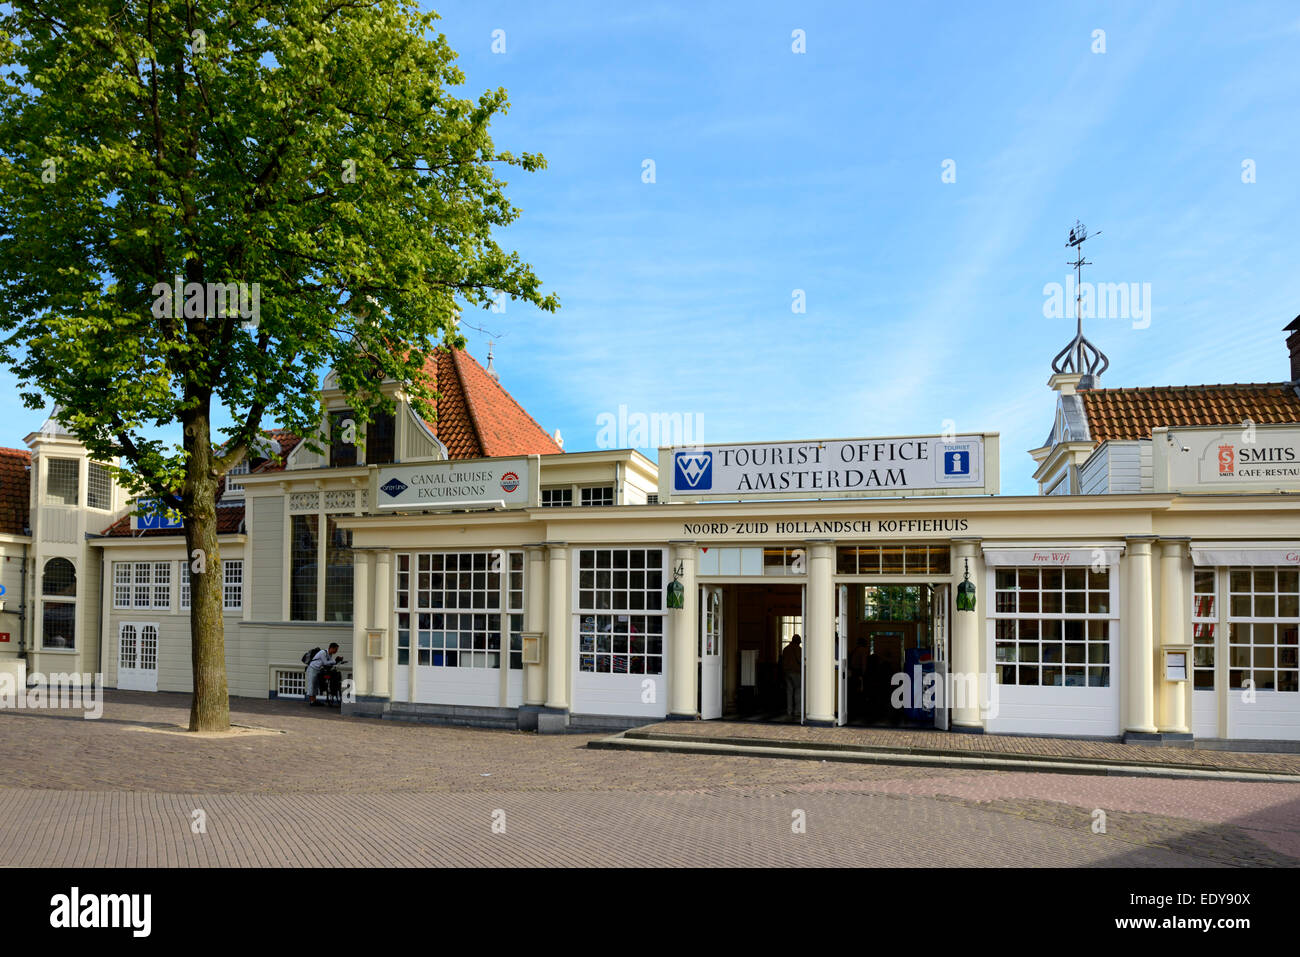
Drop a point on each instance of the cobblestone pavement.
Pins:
(1286, 763)
(78, 793)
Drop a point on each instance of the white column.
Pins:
(965, 642)
(557, 627)
(684, 622)
(819, 635)
(381, 604)
(535, 620)
(363, 603)
(1175, 613)
(1138, 638)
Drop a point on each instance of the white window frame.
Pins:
(149, 582)
(232, 584)
(1110, 617)
(584, 492)
(585, 609)
(1210, 620)
(235, 489)
(1277, 621)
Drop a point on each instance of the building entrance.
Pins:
(752, 651)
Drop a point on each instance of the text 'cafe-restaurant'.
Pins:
(852, 581)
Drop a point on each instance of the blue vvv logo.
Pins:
(693, 471)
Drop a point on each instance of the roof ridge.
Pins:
(470, 405)
(496, 383)
(1211, 385)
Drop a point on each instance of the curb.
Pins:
(689, 744)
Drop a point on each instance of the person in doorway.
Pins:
(792, 667)
(858, 679)
(316, 667)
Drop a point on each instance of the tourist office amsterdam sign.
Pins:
(466, 483)
(832, 468)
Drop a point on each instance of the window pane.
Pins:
(61, 482)
(338, 573)
(59, 624)
(303, 564)
(380, 440)
(343, 448)
(99, 488)
(59, 578)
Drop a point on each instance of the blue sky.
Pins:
(821, 171)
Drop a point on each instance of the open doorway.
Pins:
(893, 655)
(751, 665)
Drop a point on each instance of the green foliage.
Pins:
(313, 147)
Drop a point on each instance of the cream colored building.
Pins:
(474, 572)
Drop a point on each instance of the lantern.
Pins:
(966, 592)
(676, 590)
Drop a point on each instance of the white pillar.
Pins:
(1175, 613)
(363, 619)
(557, 627)
(819, 636)
(684, 625)
(1138, 639)
(535, 620)
(965, 646)
(379, 614)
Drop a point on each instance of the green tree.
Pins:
(314, 148)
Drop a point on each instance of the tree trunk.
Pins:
(210, 708)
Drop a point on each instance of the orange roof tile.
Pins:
(476, 416)
(15, 491)
(1133, 413)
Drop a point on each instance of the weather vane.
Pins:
(1080, 355)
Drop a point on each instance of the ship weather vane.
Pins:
(1080, 355)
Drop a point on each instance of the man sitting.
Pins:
(323, 660)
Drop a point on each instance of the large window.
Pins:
(1052, 627)
(620, 610)
(343, 438)
(338, 572)
(304, 554)
(1263, 625)
(59, 618)
(453, 605)
(62, 482)
(99, 487)
(381, 440)
(142, 584)
(1205, 623)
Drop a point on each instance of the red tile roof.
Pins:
(1133, 413)
(476, 416)
(15, 491)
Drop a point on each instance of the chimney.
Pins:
(1293, 344)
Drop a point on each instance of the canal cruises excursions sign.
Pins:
(467, 483)
(832, 468)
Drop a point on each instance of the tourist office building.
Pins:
(472, 571)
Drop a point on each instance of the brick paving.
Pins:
(994, 744)
(90, 793)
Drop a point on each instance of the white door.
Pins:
(842, 653)
(710, 652)
(939, 613)
(137, 657)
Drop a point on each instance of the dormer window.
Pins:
(235, 489)
(381, 440)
